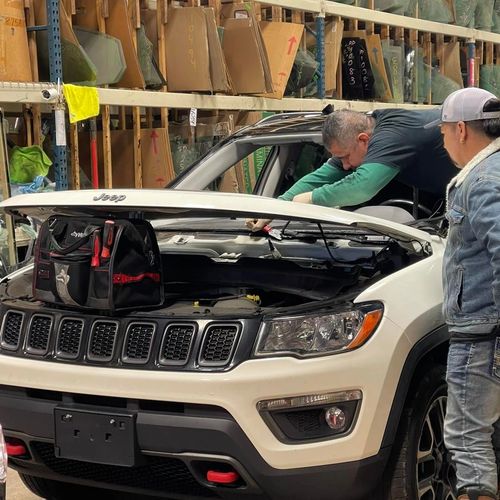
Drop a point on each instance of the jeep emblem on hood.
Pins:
(113, 197)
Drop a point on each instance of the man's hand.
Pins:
(303, 197)
(257, 224)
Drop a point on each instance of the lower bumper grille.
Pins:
(159, 474)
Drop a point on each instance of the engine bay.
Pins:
(215, 267)
(217, 272)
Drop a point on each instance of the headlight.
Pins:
(317, 335)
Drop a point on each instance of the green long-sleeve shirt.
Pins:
(332, 186)
(400, 145)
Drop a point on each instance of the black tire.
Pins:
(419, 468)
(55, 490)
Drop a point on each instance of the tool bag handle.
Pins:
(76, 245)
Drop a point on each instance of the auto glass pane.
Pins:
(310, 157)
(241, 177)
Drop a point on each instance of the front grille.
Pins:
(102, 340)
(168, 475)
(138, 342)
(176, 344)
(131, 341)
(39, 334)
(69, 338)
(11, 329)
(218, 344)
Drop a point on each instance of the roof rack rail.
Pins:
(281, 116)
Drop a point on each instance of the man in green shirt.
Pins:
(370, 150)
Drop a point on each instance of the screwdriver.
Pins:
(96, 243)
(107, 239)
(273, 233)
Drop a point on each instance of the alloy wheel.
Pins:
(435, 473)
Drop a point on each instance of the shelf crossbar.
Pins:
(21, 93)
(322, 7)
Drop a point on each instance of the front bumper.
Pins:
(374, 370)
(183, 419)
(174, 450)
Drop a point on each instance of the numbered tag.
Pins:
(60, 127)
(193, 116)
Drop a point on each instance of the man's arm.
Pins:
(328, 173)
(484, 207)
(359, 186)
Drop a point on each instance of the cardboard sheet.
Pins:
(221, 80)
(237, 10)
(188, 62)
(118, 25)
(246, 56)
(155, 148)
(281, 41)
(376, 56)
(451, 62)
(86, 14)
(14, 53)
(333, 43)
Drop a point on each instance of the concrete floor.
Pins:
(16, 489)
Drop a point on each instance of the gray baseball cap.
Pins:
(465, 105)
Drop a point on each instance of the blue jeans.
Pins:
(472, 424)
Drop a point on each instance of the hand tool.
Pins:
(107, 239)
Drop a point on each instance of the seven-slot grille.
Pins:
(102, 340)
(218, 344)
(40, 327)
(11, 329)
(69, 338)
(120, 341)
(139, 339)
(176, 345)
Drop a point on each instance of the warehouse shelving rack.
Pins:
(14, 94)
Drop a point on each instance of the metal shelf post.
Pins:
(320, 53)
(56, 75)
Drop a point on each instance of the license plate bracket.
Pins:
(104, 438)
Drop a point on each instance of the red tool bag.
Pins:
(98, 263)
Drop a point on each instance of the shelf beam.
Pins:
(32, 93)
(153, 99)
(378, 17)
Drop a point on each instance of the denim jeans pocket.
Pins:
(496, 359)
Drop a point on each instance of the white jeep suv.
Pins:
(302, 363)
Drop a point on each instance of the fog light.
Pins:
(335, 418)
(313, 416)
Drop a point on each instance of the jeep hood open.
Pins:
(159, 204)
